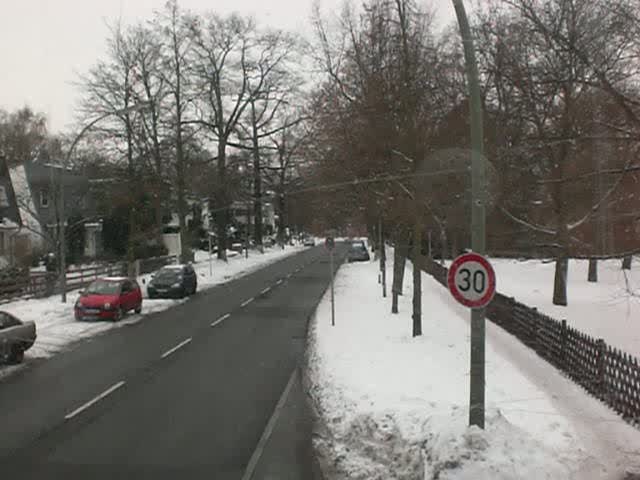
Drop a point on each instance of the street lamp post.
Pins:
(478, 235)
(61, 214)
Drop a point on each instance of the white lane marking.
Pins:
(94, 400)
(247, 302)
(279, 282)
(177, 347)
(289, 276)
(255, 458)
(221, 319)
(266, 290)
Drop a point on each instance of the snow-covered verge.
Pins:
(606, 309)
(57, 327)
(395, 407)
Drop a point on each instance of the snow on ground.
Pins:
(57, 327)
(395, 407)
(604, 309)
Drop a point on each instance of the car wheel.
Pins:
(138, 308)
(118, 315)
(16, 355)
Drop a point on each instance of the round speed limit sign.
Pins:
(471, 280)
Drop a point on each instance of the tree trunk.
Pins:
(443, 245)
(454, 246)
(281, 207)
(593, 270)
(626, 262)
(417, 282)
(383, 262)
(257, 183)
(399, 262)
(222, 206)
(560, 280)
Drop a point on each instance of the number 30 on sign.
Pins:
(471, 280)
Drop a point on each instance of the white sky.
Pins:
(44, 44)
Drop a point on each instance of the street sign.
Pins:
(330, 243)
(471, 280)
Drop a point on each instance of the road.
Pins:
(187, 392)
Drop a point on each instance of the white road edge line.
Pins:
(247, 302)
(221, 319)
(95, 400)
(266, 290)
(268, 430)
(177, 347)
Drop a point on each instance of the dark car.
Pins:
(173, 281)
(109, 298)
(358, 252)
(15, 337)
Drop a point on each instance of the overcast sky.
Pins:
(44, 44)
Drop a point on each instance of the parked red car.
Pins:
(109, 299)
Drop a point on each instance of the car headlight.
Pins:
(176, 285)
(107, 306)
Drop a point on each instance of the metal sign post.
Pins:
(210, 259)
(330, 244)
(478, 198)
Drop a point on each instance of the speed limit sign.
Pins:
(471, 280)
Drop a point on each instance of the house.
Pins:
(33, 213)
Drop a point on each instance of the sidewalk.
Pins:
(394, 406)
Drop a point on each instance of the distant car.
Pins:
(173, 281)
(109, 298)
(309, 242)
(15, 338)
(358, 253)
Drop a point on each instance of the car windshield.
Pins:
(168, 275)
(103, 287)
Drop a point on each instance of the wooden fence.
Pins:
(37, 285)
(605, 372)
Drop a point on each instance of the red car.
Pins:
(109, 299)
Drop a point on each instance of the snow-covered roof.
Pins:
(24, 199)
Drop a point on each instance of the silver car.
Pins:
(15, 338)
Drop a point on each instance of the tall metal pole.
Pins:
(478, 195)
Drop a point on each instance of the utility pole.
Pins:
(478, 235)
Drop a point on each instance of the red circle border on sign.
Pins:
(451, 275)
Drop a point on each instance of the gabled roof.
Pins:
(24, 199)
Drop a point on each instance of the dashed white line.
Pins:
(221, 319)
(279, 282)
(247, 302)
(95, 400)
(266, 290)
(176, 348)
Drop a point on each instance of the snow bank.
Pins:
(57, 327)
(395, 407)
(606, 309)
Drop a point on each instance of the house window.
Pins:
(44, 198)
(4, 200)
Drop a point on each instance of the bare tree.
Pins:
(175, 28)
(225, 60)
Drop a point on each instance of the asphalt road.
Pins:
(186, 392)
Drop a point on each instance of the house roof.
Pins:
(24, 199)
